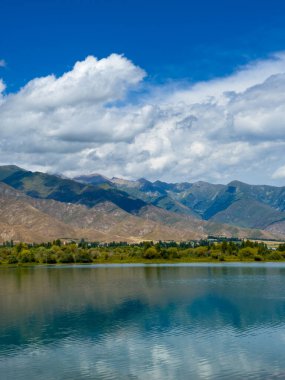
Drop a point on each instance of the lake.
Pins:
(191, 321)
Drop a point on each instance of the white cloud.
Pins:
(91, 81)
(220, 89)
(224, 129)
(2, 86)
(279, 173)
(2, 63)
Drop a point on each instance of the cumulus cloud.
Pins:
(85, 121)
(279, 173)
(91, 81)
(2, 86)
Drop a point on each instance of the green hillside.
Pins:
(46, 186)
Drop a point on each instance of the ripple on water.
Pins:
(198, 322)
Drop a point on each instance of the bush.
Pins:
(282, 253)
(95, 254)
(25, 256)
(50, 257)
(258, 258)
(151, 253)
(65, 257)
(173, 253)
(201, 251)
(274, 256)
(12, 259)
(215, 255)
(82, 257)
(247, 253)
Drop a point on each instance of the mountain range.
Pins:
(37, 206)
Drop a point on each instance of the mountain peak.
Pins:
(236, 183)
(202, 183)
(92, 179)
(144, 181)
(247, 207)
(8, 170)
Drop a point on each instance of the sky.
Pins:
(170, 90)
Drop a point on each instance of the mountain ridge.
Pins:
(216, 202)
(34, 220)
(114, 209)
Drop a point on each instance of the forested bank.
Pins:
(58, 253)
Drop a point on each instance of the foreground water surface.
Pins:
(143, 322)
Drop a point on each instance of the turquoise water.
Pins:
(143, 322)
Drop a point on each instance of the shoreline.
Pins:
(138, 263)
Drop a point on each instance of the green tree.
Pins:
(26, 256)
(150, 253)
(247, 253)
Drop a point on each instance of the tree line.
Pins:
(84, 252)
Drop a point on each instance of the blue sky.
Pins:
(171, 90)
(170, 39)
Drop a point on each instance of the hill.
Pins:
(38, 207)
(47, 186)
(238, 204)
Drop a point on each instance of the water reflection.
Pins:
(165, 322)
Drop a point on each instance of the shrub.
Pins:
(258, 258)
(12, 259)
(65, 257)
(25, 256)
(150, 253)
(82, 257)
(201, 251)
(50, 257)
(173, 253)
(214, 255)
(274, 256)
(247, 253)
(95, 254)
(282, 253)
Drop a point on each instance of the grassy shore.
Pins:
(142, 253)
(128, 260)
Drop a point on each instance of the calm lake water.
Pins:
(143, 322)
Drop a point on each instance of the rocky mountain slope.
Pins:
(46, 186)
(39, 207)
(239, 204)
